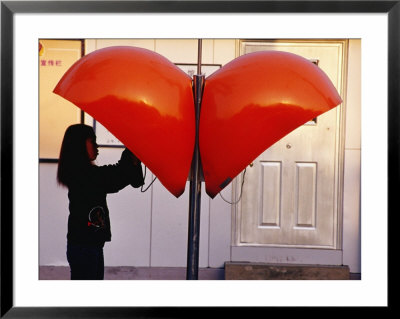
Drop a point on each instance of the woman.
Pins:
(88, 186)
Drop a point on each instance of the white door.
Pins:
(291, 193)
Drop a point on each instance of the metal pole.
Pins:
(199, 55)
(195, 184)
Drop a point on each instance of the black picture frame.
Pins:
(9, 8)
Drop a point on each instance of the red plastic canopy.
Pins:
(144, 100)
(251, 103)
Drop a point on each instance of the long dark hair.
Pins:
(73, 155)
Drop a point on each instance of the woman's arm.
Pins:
(113, 178)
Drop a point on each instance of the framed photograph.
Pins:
(104, 137)
(23, 295)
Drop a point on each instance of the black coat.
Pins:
(89, 220)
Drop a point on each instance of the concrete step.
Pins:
(232, 271)
(264, 271)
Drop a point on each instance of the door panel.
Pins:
(290, 192)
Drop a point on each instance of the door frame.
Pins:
(287, 254)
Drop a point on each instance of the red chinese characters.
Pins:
(50, 62)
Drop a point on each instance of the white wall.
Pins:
(151, 229)
(352, 162)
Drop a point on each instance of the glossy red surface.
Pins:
(145, 101)
(251, 103)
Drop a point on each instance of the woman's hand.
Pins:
(130, 157)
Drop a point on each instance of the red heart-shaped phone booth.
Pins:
(147, 103)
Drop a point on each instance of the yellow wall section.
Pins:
(55, 113)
